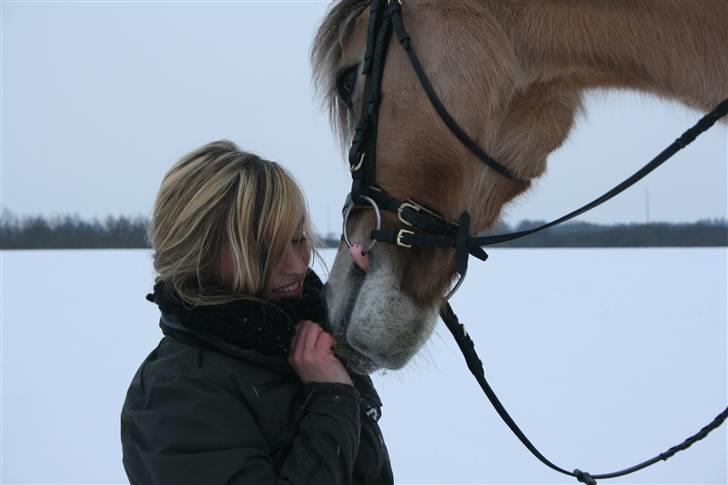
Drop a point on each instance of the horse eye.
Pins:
(346, 83)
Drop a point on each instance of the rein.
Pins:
(467, 348)
(426, 228)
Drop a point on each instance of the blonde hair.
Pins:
(216, 199)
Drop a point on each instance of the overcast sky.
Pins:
(99, 99)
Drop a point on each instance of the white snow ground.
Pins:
(604, 357)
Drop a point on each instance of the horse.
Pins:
(513, 74)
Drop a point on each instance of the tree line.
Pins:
(709, 232)
(73, 232)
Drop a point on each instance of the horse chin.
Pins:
(375, 323)
(356, 362)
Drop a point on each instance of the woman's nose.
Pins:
(359, 256)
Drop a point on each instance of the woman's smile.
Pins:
(294, 289)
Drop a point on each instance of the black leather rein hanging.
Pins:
(425, 228)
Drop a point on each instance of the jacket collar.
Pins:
(242, 324)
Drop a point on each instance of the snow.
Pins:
(604, 358)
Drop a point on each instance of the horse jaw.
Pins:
(375, 323)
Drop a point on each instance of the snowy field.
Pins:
(604, 357)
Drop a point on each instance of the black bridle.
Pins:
(423, 227)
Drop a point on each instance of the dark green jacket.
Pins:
(200, 411)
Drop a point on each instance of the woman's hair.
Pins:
(220, 199)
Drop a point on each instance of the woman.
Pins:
(244, 387)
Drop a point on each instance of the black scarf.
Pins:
(264, 326)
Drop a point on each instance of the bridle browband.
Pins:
(423, 227)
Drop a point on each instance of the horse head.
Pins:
(492, 75)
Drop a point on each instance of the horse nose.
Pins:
(359, 256)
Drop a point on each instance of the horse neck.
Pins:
(673, 49)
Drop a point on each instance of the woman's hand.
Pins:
(312, 356)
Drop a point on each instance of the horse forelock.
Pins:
(326, 52)
(338, 25)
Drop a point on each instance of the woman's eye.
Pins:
(299, 241)
(346, 84)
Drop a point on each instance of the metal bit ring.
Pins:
(377, 214)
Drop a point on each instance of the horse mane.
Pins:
(326, 53)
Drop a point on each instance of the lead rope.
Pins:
(465, 343)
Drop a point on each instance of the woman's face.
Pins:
(286, 275)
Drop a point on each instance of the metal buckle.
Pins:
(400, 235)
(409, 203)
(404, 205)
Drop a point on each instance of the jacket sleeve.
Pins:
(186, 430)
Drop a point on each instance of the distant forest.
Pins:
(72, 232)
